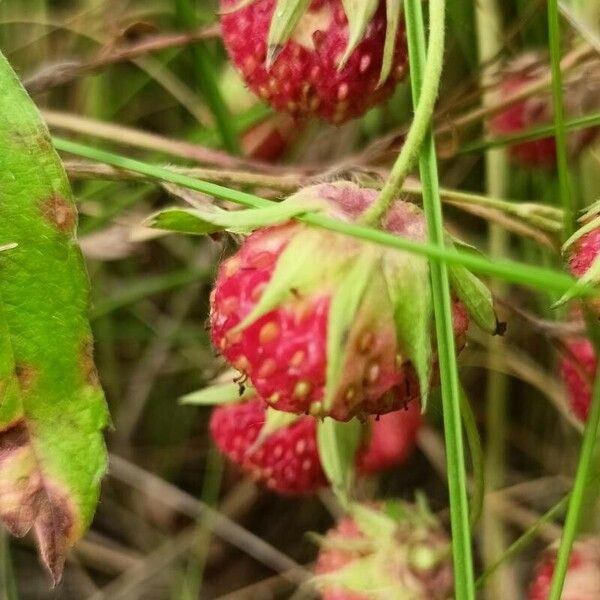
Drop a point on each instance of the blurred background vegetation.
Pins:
(150, 79)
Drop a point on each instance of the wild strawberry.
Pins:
(583, 575)
(286, 458)
(326, 324)
(392, 550)
(584, 252)
(305, 78)
(537, 111)
(578, 368)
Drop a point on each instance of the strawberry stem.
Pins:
(420, 125)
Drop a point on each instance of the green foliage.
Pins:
(52, 408)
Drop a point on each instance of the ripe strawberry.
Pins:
(577, 368)
(287, 459)
(305, 78)
(385, 551)
(583, 575)
(283, 343)
(536, 111)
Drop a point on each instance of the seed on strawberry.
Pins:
(390, 550)
(578, 368)
(537, 110)
(273, 300)
(583, 573)
(305, 78)
(287, 460)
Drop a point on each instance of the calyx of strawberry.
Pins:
(391, 551)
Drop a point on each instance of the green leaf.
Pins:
(216, 395)
(393, 12)
(476, 296)
(52, 408)
(286, 16)
(211, 219)
(359, 13)
(409, 288)
(477, 458)
(590, 278)
(344, 306)
(338, 443)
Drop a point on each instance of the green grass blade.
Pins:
(442, 303)
(514, 272)
(566, 195)
(584, 468)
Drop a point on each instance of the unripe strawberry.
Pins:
(537, 110)
(286, 459)
(578, 368)
(305, 78)
(390, 550)
(583, 575)
(273, 303)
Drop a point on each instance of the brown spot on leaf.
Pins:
(60, 213)
(88, 366)
(12, 438)
(26, 375)
(28, 500)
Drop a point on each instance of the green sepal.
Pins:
(591, 278)
(274, 421)
(286, 16)
(6, 247)
(477, 458)
(366, 576)
(298, 270)
(409, 288)
(592, 210)
(587, 228)
(374, 523)
(212, 219)
(393, 12)
(219, 395)
(344, 306)
(359, 13)
(476, 296)
(338, 443)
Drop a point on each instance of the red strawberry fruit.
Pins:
(583, 574)
(391, 550)
(583, 252)
(286, 460)
(578, 368)
(306, 77)
(275, 299)
(536, 111)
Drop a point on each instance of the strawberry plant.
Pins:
(337, 263)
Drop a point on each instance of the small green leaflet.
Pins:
(285, 18)
(476, 296)
(216, 395)
(589, 226)
(52, 408)
(274, 421)
(211, 219)
(409, 289)
(393, 13)
(359, 13)
(344, 306)
(477, 458)
(374, 523)
(590, 278)
(338, 443)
